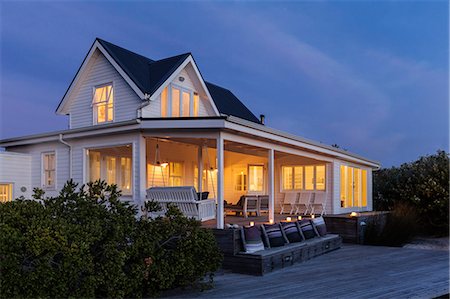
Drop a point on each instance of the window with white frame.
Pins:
(114, 165)
(303, 177)
(48, 170)
(103, 103)
(177, 101)
(165, 174)
(5, 192)
(353, 187)
(256, 178)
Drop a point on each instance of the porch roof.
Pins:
(222, 123)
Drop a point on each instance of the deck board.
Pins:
(354, 271)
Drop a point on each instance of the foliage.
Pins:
(87, 243)
(424, 184)
(397, 229)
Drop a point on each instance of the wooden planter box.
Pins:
(272, 259)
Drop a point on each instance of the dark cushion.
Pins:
(251, 239)
(307, 228)
(202, 195)
(292, 232)
(274, 235)
(319, 225)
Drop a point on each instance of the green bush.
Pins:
(90, 244)
(423, 184)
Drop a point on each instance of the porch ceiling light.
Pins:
(164, 164)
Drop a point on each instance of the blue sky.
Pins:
(371, 77)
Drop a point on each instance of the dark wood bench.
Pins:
(268, 260)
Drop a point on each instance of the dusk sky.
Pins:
(371, 77)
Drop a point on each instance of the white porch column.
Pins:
(220, 167)
(271, 167)
(140, 173)
(200, 169)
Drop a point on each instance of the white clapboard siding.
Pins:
(15, 169)
(191, 82)
(100, 71)
(62, 164)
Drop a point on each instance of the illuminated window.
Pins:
(175, 174)
(311, 177)
(353, 187)
(125, 175)
(255, 178)
(240, 178)
(209, 180)
(48, 170)
(103, 104)
(113, 165)
(5, 192)
(179, 102)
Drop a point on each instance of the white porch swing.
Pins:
(185, 197)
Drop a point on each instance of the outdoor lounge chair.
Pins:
(290, 199)
(186, 199)
(246, 204)
(304, 202)
(320, 202)
(263, 203)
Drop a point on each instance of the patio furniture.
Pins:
(320, 202)
(304, 201)
(186, 199)
(290, 199)
(246, 204)
(263, 203)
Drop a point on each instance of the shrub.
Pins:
(90, 244)
(423, 184)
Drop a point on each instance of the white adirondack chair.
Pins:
(290, 199)
(304, 201)
(185, 198)
(320, 202)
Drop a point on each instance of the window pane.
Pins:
(309, 177)
(110, 112)
(101, 113)
(298, 178)
(100, 95)
(5, 192)
(320, 177)
(186, 103)
(196, 103)
(175, 102)
(110, 94)
(111, 170)
(164, 103)
(48, 170)
(364, 188)
(343, 185)
(287, 177)
(94, 166)
(349, 188)
(125, 175)
(356, 187)
(256, 178)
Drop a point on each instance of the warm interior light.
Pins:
(313, 216)
(164, 165)
(270, 221)
(252, 223)
(299, 217)
(288, 219)
(353, 214)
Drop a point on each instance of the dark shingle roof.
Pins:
(149, 75)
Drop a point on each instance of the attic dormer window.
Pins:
(103, 103)
(178, 101)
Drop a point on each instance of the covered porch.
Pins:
(229, 166)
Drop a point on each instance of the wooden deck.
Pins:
(354, 271)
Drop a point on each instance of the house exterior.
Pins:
(139, 123)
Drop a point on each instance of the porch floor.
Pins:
(241, 220)
(354, 271)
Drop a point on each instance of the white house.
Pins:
(139, 123)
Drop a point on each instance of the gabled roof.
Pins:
(149, 75)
